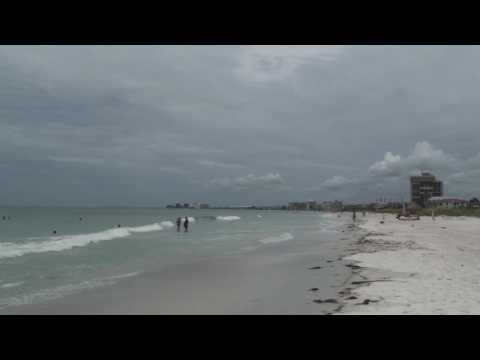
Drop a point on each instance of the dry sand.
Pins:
(417, 267)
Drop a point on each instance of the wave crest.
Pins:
(67, 242)
(276, 239)
(228, 218)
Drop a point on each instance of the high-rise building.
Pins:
(424, 187)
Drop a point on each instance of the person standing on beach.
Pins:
(185, 224)
(179, 222)
(354, 215)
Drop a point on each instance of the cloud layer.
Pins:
(251, 182)
(151, 125)
(459, 175)
(423, 157)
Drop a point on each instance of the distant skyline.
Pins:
(157, 125)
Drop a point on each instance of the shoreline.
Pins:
(292, 277)
(394, 267)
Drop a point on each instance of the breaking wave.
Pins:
(11, 285)
(276, 239)
(167, 224)
(60, 291)
(228, 218)
(67, 242)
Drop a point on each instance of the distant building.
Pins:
(297, 206)
(424, 187)
(445, 202)
(353, 207)
(311, 205)
(474, 203)
(332, 205)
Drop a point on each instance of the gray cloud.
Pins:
(268, 182)
(218, 164)
(149, 125)
(337, 182)
(280, 62)
(423, 157)
(76, 160)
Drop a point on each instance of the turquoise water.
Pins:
(89, 249)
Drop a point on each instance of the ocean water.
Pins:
(89, 249)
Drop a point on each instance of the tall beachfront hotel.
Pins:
(424, 187)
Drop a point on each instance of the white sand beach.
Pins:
(417, 267)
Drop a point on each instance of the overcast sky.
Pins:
(152, 125)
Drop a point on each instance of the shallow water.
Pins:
(89, 250)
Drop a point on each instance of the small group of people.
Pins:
(185, 223)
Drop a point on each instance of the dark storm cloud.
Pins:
(147, 125)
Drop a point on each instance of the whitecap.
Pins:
(66, 242)
(167, 224)
(145, 228)
(11, 285)
(228, 218)
(63, 290)
(277, 239)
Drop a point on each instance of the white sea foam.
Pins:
(167, 224)
(228, 218)
(11, 285)
(145, 228)
(277, 239)
(191, 219)
(60, 243)
(60, 291)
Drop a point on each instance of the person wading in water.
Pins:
(179, 222)
(185, 224)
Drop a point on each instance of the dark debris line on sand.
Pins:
(328, 301)
(346, 295)
(351, 228)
